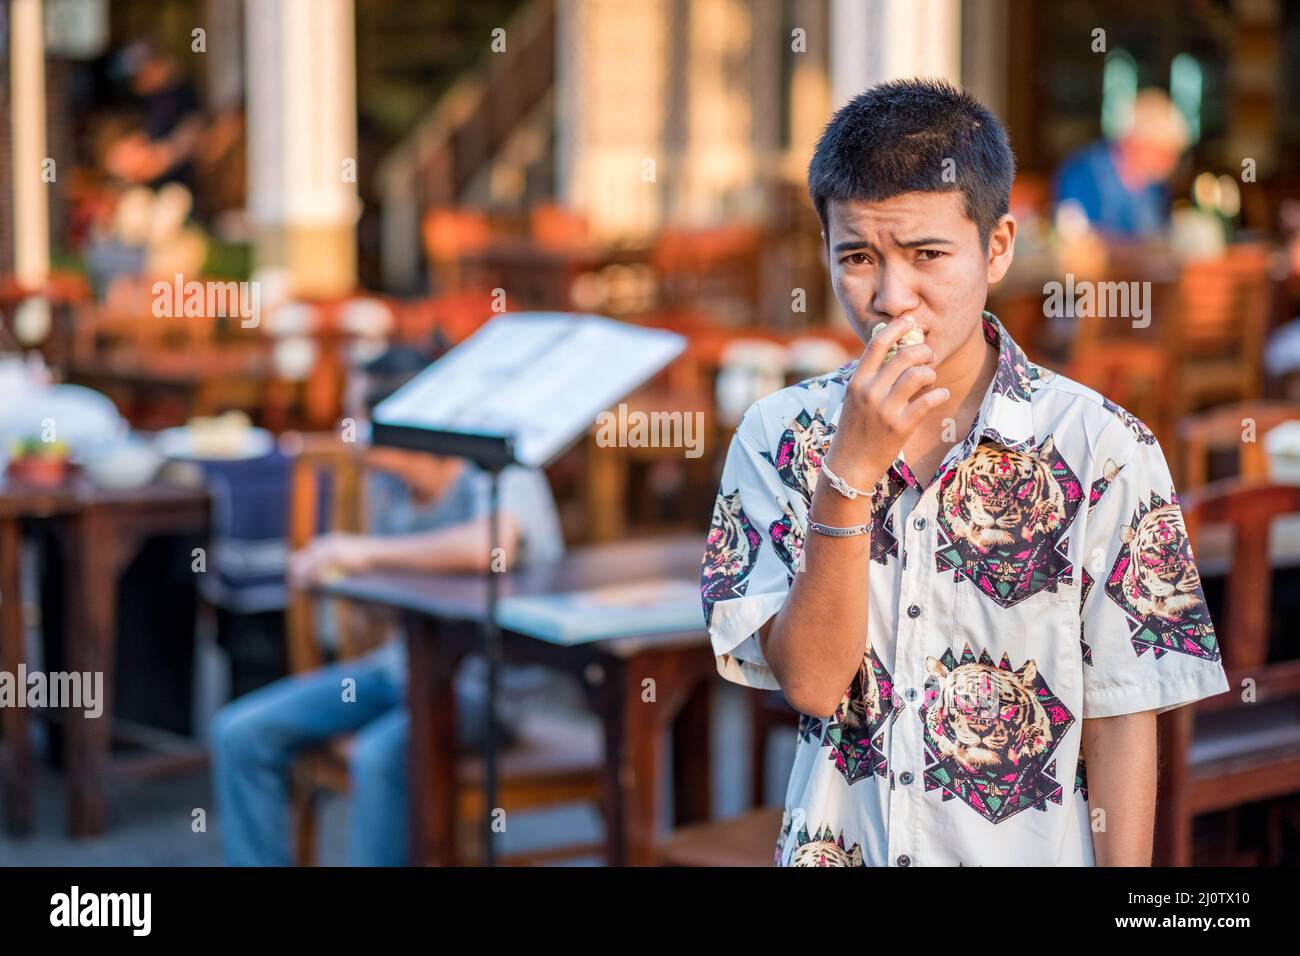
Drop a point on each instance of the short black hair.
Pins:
(895, 137)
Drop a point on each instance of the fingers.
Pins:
(298, 572)
(915, 412)
(873, 356)
(910, 381)
(305, 564)
(901, 367)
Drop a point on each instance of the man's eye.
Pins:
(857, 258)
(929, 255)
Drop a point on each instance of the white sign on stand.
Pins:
(537, 378)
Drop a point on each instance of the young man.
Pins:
(988, 556)
(427, 513)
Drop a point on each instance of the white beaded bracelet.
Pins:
(842, 486)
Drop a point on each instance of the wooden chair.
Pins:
(1134, 376)
(450, 233)
(454, 316)
(1130, 365)
(552, 225)
(610, 509)
(1216, 338)
(1219, 430)
(717, 271)
(1203, 346)
(1222, 752)
(554, 762)
(748, 838)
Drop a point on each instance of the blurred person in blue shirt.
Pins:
(427, 513)
(1120, 184)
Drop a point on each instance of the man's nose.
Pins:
(895, 293)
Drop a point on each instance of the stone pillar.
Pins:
(877, 40)
(302, 149)
(718, 158)
(31, 201)
(985, 53)
(611, 113)
(809, 86)
(224, 60)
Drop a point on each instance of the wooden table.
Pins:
(542, 277)
(441, 614)
(166, 391)
(101, 532)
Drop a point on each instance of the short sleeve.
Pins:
(1148, 640)
(755, 535)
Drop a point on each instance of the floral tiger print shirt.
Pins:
(1042, 577)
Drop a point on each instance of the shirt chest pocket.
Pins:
(1036, 640)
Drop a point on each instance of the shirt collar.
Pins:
(1006, 413)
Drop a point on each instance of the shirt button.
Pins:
(910, 693)
(914, 611)
(906, 776)
(918, 523)
(904, 860)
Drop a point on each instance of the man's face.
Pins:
(1146, 161)
(426, 474)
(401, 461)
(152, 76)
(916, 254)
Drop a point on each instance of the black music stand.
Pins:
(618, 358)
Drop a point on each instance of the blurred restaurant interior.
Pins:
(382, 178)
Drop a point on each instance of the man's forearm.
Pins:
(461, 547)
(816, 642)
(1120, 754)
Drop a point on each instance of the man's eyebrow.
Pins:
(855, 243)
(848, 244)
(927, 241)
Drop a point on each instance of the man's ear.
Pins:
(1002, 247)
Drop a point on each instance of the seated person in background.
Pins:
(163, 149)
(1120, 185)
(429, 514)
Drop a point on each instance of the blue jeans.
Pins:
(255, 739)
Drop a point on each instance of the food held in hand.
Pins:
(913, 336)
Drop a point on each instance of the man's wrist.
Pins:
(368, 556)
(843, 487)
(860, 475)
(832, 508)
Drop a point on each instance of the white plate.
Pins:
(178, 444)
